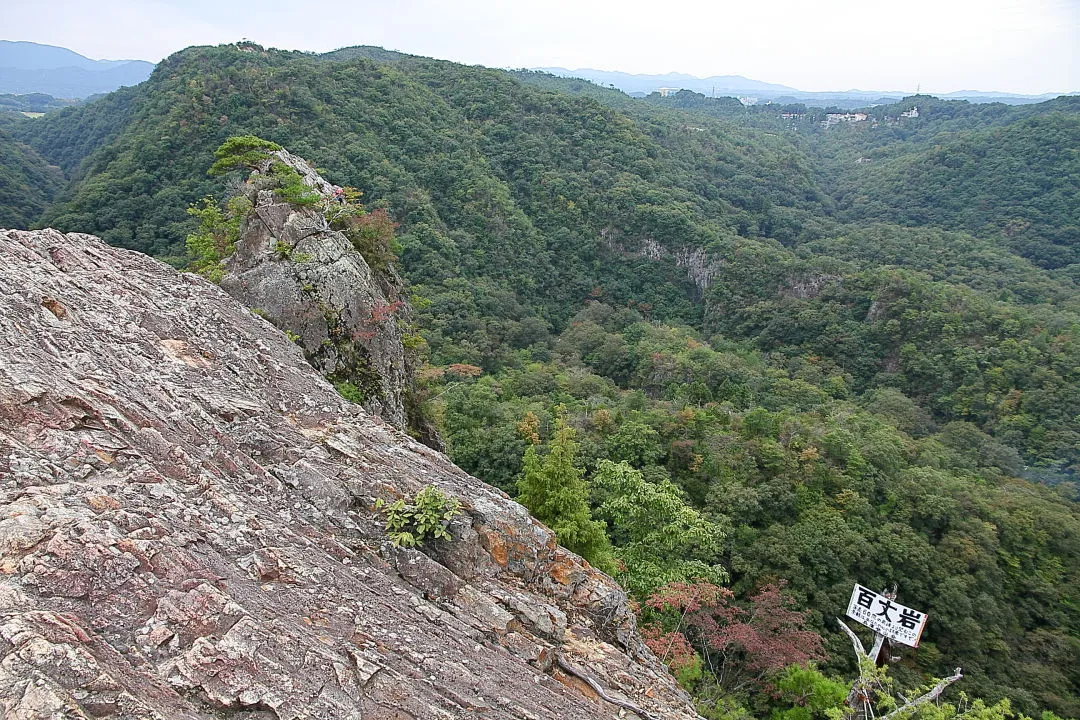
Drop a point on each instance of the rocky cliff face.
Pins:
(291, 268)
(187, 529)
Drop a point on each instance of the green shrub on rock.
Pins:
(410, 523)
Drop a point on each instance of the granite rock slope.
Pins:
(187, 530)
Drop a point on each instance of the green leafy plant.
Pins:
(350, 392)
(802, 692)
(215, 239)
(248, 152)
(291, 187)
(410, 523)
(284, 252)
(554, 491)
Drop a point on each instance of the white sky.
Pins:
(1024, 46)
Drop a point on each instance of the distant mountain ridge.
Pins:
(27, 67)
(739, 86)
(629, 82)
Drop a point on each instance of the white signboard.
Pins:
(886, 617)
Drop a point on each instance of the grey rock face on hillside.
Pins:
(186, 529)
(308, 279)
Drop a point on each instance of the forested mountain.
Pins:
(36, 56)
(27, 182)
(763, 360)
(33, 103)
(1011, 173)
(1001, 171)
(762, 92)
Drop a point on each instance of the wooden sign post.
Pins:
(881, 613)
(889, 620)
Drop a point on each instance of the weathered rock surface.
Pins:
(186, 529)
(304, 277)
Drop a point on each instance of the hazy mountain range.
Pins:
(739, 86)
(27, 67)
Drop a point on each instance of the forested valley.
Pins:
(738, 360)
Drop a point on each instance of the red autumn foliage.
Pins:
(372, 234)
(671, 647)
(464, 370)
(747, 644)
(379, 313)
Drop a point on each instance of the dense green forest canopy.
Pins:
(27, 182)
(1003, 171)
(1009, 173)
(750, 349)
(808, 483)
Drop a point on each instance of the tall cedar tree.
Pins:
(553, 490)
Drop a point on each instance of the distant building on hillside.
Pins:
(664, 92)
(837, 118)
(912, 113)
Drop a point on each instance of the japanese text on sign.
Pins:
(886, 616)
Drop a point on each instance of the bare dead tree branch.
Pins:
(934, 694)
(859, 649)
(879, 640)
(600, 691)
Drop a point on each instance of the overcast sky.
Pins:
(1024, 46)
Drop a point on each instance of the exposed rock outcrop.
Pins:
(306, 278)
(700, 267)
(703, 267)
(186, 529)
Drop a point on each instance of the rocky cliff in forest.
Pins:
(310, 281)
(189, 529)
